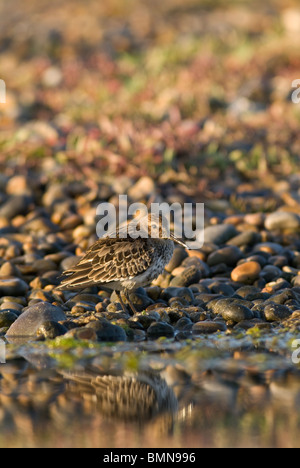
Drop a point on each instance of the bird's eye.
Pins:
(153, 226)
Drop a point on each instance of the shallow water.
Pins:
(155, 395)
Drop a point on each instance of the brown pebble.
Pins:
(234, 219)
(197, 253)
(255, 219)
(3, 222)
(178, 271)
(246, 272)
(208, 327)
(8, 269)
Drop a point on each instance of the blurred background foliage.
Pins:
(201, 88)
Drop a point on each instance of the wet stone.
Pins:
(138, 298)
(19, 300)
(244, 291)
(13, 287)
(176, 314)
(139, 335)
(282, 220)
(176, 302)
(91, 299)
(188, 276)
(228, 255)
(272, 248)
(170, 292)
(15, 205)
(198, 263)
(9, 269)
(7, 317)
(155, 306)
(12, 305)
(217, 305)
(199, 288)
(159, 329)
(183, 335)
(40, 266)
(220, 233)
(207, 327)
(33, 317)
(146, 320)
(50, 330)
(179, 255)
(106, 331)
(282, 296)
(237, 313)
(247, 324)
(82, 333)
(39, 225)
(270, 273)
(245, 238)
(246, 273)
(184, 323)
(276, 312)
(153, 292)
(41, 295)
(222, 288)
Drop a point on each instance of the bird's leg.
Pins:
(126, 293)
(121, 302)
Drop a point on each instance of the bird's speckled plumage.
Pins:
(123, 263)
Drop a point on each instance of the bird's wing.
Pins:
(110, 260)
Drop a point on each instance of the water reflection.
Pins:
(130, 397)
(228, 404)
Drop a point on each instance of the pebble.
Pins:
(272, 248)
(160, 329)
(51, 329)
(179, 255)
(13, 287)
(228, 255)
(245, 238)
(15, 205)
(82, 333)
(282, 297)
(188, 276)
(282, 221)
(220, 233)
(106, 331)
(39, 225)
(255, 219)
(28, 323)
(7, 317)
(138, 298)
(145, 320)
(142, 188)
(184, 323)
(11, 305)
(69, 262)
(198, 263)
(245, 291)
(171, 292)
(237, 312)
(246, 273)
(9, 269)
(275, 312)
(270, 273)
(207, 327)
